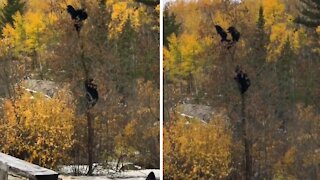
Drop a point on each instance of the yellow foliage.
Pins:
(274, 11)
(8, 42)
(278, 38)
(38, 129)
(39, 6)
(282, 29)
(304, 153)
(221, 19)
(28, 32)
(318, 42)
(130, 128)
(194, 150)
(124, 140)
(289, 157)
(122, 13)
(180, 59)
(285, 164)
(141, 134)
(318, 29)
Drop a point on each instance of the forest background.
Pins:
(118, 47)
(274, 132)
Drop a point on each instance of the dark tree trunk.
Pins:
(90, 142)
(246, 141)
(89, 115)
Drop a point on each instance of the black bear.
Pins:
(78, 16)
(91, 92)
(223, 34)
(242, 80)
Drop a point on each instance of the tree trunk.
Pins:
(90, 142)
(246, 141)
(89, 116)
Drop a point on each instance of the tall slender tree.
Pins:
(309, 13)
(170, 25)
(6, 14)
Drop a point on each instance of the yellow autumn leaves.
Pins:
(124, 12)
(282, 28)
(38, 129)
(181, 59)
(121, 14)
(28, 31)
(193, 149)
(198, 24)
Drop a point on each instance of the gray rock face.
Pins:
(198, 111)
(48, 88)
(201, 112)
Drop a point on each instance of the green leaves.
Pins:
(170, 26)
(9, 10)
